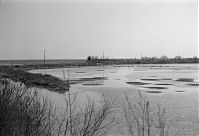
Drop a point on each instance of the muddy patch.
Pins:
(99, 70)
(166, 79)
(92, 84)
(185, 79)
(80, 72)
(150, 79)
(137, 83)
(179, 91)
(83, 80)
(117, 79)
(195, 84)
(92, 78)
(163, 84)
(154, 87)
(153, 91)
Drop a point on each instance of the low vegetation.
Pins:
(29, 79)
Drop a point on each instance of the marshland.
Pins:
(171, 87)
(99, 68)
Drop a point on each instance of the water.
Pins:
(180, 98)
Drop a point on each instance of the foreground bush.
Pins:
(143, 119)
(24, 113)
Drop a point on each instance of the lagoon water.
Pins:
(174, 86)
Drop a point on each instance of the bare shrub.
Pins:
(144, 119)
(24, 113)
(88, 120)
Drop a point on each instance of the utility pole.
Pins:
(44, 56)
(103, 55)
(141, 55)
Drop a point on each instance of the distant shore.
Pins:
(19, 72)
(60, 63)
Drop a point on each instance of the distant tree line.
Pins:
(144, 60)
(96, 60)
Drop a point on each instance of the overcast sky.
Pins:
(77, 28)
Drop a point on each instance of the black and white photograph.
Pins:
(99, 68)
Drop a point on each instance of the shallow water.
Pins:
(178, 97)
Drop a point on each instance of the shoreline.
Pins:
(57, 63)
(34, 80)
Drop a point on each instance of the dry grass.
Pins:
(33, 79)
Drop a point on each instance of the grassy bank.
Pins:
(33, 80)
